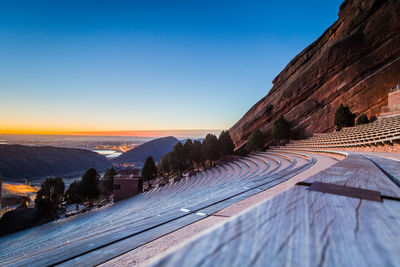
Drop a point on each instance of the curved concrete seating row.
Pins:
(385, 130)
(159, 209)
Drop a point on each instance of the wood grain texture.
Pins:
(358, 171)
(390, 167)
(305, 228)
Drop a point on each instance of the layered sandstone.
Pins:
(354, 62)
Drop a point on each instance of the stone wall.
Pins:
(394, 100)
(126, 186)
(393, 107)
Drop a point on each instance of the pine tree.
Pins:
(281, 129)
(188, 152)
(363, 119)
(197, 153)
(344, 117)
(73, 194)
(178, 159)
(108, 182)
(255, 141)
(225, 143)
(149, 170)
(165, 164)
(89, 185)
(50, 195)
(210, 148)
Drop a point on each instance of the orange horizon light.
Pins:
(141, 133)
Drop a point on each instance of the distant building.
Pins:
(393, 107)
(126, 185)
(394, 99)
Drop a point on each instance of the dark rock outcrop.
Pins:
(155, 148)
(18, 162)
(354, 62)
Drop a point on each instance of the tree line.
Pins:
(194, 155)
(345, 118)
(190, 156)
(88, 189)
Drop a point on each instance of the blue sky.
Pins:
(146, 65)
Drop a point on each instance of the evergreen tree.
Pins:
(73, 194)
(344, 117)
(178, 159)
(89, 185)
(197, 153)
(281, 129)
(242, 151)
(108, 182)
(165, 164)
(255, 141)
(50, 195)
(210, 148)
(149, 170)
(188, 152)
(225, 143)
(363, 119)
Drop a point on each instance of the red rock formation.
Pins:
(354, 62)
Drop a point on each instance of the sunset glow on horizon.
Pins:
(139, 133)
(151, 133)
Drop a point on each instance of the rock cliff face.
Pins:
(354, 62)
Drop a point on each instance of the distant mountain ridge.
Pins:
(155, 148)
(18, 162)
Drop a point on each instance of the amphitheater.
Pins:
(311, 202)
(365, 137)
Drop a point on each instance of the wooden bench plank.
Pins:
(358, 171)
